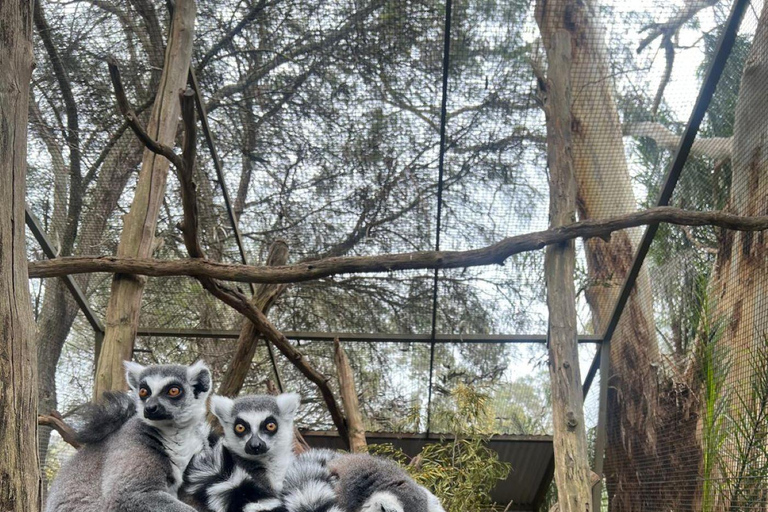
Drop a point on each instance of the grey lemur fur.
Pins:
(326, 481)
(137, 449)
(243, 470)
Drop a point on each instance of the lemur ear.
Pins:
(200, 377)
(133, 373)
(221, 407)
(288, 403)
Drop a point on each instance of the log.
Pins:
(494, 254)
(355, 425)
(19, 471)
(138, 235)
(572, 473)
(265, 296)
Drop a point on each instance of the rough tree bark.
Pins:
(140, 223)
(572, 473)
(355, 425)
(19, 471)
(604, 189)
(739, 284)
(263, 299)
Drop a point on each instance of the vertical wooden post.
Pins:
(356, 428)
(19, 472)
(572, 473)
(137, 238)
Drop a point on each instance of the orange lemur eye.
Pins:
(144, 393)
(174, 392)
(271, 426)
(239, 428)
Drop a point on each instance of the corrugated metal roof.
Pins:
(531, 458)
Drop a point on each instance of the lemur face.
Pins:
(257, 426)
(169, 395)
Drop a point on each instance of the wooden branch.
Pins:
(234, 298)
(717, 148)
(494, 254)
(56, 422)
(133, 120)
(673, 25)
(357, 443)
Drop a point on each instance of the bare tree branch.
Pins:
(717, 148)
(56, 422)
(673, 24)
(494, 254)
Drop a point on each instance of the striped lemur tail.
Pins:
(98, 421)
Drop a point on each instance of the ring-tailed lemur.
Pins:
(326, 481)
(243, 471)
(137, 444)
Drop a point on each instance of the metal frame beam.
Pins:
(347, 337)
(712, 77)
(36, 227)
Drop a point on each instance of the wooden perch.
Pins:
(357, 443)
(494, 254)
(56, 422)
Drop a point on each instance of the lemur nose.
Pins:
(150, 408)
(255, 446)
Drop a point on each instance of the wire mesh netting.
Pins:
(328, 118)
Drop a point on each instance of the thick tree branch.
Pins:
(56, 422)
(717, 148)
(494, 254)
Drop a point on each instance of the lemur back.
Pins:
(326, 481)
(243, 470)
(138, 444)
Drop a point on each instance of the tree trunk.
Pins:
(356, 427)
(605, 189)
(19, 471)
(739, 286)
(140, 223)
(572, 473)
(741, 274)
(263, 299)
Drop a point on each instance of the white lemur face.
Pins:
(257, 426)
(169, 395)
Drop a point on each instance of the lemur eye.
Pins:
(144, 393)
(271, 426)
(174, 391)
(239, 428)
